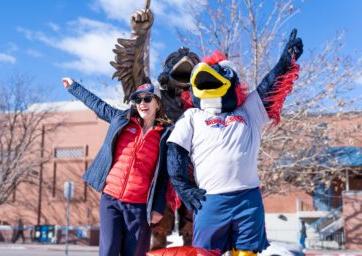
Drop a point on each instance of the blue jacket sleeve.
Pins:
(159, 203)
(98, 106)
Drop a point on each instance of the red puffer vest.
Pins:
(134, 162)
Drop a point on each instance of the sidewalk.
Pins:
(332, 253)
(49, 247)
(173, 240)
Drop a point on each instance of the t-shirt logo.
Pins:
(220, 122)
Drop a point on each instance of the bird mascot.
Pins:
(221, 137)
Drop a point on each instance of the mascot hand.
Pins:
(294, 48)
(142, 21)
(192, 197)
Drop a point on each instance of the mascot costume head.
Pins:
(215, 85)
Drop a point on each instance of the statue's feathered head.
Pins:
(215, 85)
(177, 69)
(175, 82)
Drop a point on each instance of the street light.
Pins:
(68, 194)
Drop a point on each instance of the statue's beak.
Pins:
(181, 71)
(207, 83)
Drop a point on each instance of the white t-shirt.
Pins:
(224, 147)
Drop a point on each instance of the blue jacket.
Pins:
(96, 174)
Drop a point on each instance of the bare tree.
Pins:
(21, 130)
(252, 34)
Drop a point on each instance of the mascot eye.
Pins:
(228, 73)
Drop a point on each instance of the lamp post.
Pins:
(68, 194)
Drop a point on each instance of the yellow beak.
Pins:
(207, 83)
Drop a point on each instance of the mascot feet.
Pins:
(242, 253)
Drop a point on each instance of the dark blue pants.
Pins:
(123, 228)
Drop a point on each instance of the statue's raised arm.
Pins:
(132, 55)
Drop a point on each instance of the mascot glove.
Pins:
(192, 197)
(294, 48)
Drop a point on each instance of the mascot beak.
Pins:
(207, 82)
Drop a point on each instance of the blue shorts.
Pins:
(231, 220)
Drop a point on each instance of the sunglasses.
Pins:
(146, 99)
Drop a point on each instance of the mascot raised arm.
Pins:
(221, 138)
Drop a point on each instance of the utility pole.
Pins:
(41, 174)
(68, 194)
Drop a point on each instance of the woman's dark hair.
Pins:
(161, 117)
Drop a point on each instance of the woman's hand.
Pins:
(67, 82)
(155, 217)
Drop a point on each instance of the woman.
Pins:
(129, 169)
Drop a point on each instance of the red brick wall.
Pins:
(79, 129)
(287, 202)
(352, 214)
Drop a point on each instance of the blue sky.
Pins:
(49, 39)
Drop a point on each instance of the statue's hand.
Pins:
(294, 48)
(141, 21)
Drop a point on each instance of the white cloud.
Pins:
(178, 12)
(93, 52)
(90, 43)
(175, 12)
(104, 90)
(119, 10)
(7, 58)
(35, 35)
(84, 25)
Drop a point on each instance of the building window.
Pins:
(71, 152)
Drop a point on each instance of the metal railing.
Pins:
(322, 222)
